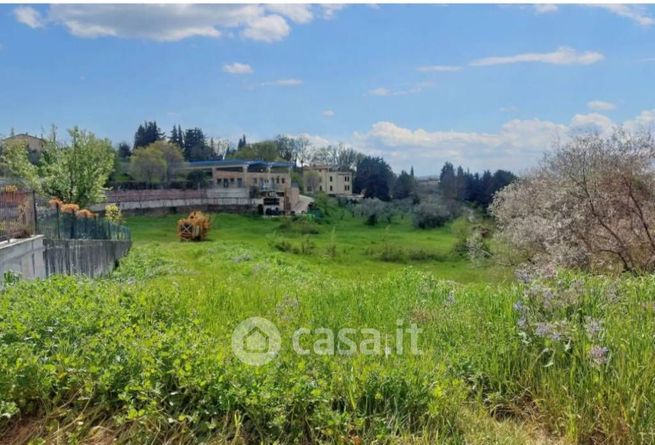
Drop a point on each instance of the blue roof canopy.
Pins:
(239, 162)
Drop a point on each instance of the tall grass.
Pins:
(146, 354)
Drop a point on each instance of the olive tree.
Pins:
(589, 205)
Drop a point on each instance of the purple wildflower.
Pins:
(593, 327)
(599, 355)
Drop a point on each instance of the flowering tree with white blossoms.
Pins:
(589, 205)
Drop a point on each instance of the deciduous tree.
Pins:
(589, 205)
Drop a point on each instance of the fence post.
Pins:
(36, 218)
(58, 224)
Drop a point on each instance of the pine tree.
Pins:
(124, 150)
(147, 133)
(174, 139)
(448, 181)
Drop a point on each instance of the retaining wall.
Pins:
(39, 257)
(23, 256)
(93, 258)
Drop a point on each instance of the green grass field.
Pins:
(357, 246)
(145, 356)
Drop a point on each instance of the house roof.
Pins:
(24, 136)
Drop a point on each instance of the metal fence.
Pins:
(17, 214)
(57, 224)
(23, 213)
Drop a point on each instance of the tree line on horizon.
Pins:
(155, 159)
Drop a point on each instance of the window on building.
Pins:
(330, 188)
(330, 178)
(282, 180)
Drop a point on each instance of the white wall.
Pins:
(24, 256)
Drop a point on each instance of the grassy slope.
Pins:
(356, 245)
(147, 353)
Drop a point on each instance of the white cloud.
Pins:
(517, 144)
(328, 113)
(173, 22)
(283, 83)
(28, 16)
(545, 8)
(644, 121)
(297, 12)
(237, 68)
(592, 122)
(636, 13)
(600, 105)
(562, 56)
(314, 140)
(381, 91)
(412, 89)
(438, 68)
(269, 28)
(330, 10)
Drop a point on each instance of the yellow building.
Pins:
(267, 183)
(321, 178)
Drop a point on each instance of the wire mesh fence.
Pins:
(23, 213)
(57, 224)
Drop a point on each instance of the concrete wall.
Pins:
(38, 257)
(161, 202)
(93, 258)
(23, 256)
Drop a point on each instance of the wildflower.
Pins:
(593, 327)
(544, 329)
(555, 331)
(612, 293)
(287, 307)
(522, 323)
(599, 355)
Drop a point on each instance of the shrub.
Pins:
(113, 214)
(305, 247)
(299, 225)
(70, 208)
(431, 214)
(55, 203)
(373, 211)
(85, 213)
(194, 227)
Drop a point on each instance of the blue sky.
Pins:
(485, 86)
